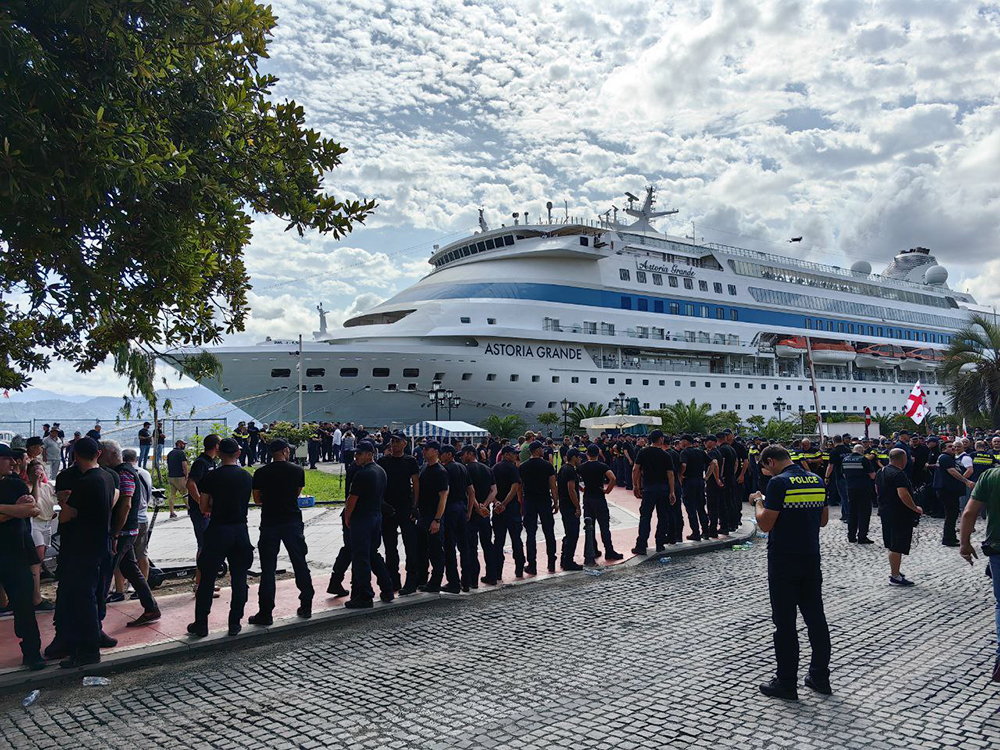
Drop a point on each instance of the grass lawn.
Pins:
(326, 488)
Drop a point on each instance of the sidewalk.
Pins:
(173, 543)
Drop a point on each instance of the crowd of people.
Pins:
(450, 503)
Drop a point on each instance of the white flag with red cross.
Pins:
(916, 404)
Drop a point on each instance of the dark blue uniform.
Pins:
(480, 531)
(857, 470)
(17, 555)
(506, 476)
(365, 533)
(536, 474)
(793, 571)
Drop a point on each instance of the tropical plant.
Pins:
(548, 418)
(756, 423)
(509, 426)
(777, 429)
(971, 369)
(584, 411)
(680, 417)
(138, 139)
(291, 433)
(725, 420)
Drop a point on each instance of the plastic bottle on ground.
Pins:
(31, 698)
(92, 681)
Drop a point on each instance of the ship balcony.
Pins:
(713, 341)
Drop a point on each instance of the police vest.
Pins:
(853, 466)
(981, 461)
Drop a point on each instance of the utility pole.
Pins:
(301, 373)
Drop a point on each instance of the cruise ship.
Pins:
(528, 316)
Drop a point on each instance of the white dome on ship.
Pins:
(862, 267)
(936, 275)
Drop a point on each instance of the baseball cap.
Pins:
(432, 445)
(398, 436)
(655, 435)
(593, 450)
(536, 446)
(5, 451)
(365, 446)
(229, 446)
(572, 453)
(87, 447)
(447, 449)
(32, 442)
(507, 449)
(277, 445)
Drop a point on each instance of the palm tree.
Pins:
(584, 411)
(509, 426)
(972, 369)
(680, 417)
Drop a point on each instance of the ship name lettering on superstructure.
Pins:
(533, 351)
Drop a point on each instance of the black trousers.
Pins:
(655, 497)
(571, 532)
(716, 505)
(230, 542)
(596, 507)
(950, 501)
(124, 561)
(539, 511)
(795, 583)
(481, 536)
(292, 535)
(456, 545)
(430, 548)
(734, 497)
(508, 522)
(859, 513)
(694, 504)
(79, 600)
(677, 514)
(398, 524)
(364, 536)
(18, 582)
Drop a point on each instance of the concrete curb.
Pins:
(175, 649)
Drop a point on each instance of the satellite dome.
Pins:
(862, 267)
(936, 275)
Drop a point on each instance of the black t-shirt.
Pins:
(201, 466)
(506, 475)
(837, 454)
(175, 462)
(369, 487)
(799, 496)
(458, 483)
(675, 460)
(280, 483)
(920, 452)
(696, 460)
(593, 475)
(729, 465)
(92, 497)
(566, 475)
(535, 473)
(231, 488)
(715, 455)
(857, 469)
(399, 473)
(948, 482)
(481, 478)
(433, 481)
(888, 481)
(15, 534)
(145, 437)
(654, 463)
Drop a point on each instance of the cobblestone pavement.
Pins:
(656, 656)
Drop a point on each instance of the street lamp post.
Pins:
(779, 406)
(439, 396)
(619, 403)
(565, 408)
(802, 418)
(941, 411)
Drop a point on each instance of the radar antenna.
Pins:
(644, 214)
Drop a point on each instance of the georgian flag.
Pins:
(916, 405)
(965, 430)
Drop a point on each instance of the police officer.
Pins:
(363, 521)
(715, 490)
(201, 466)
(729, 467)
(653, 484)
(399, 510)
(507, 511)
(276, 488)
(541, 501)
(224, 496)
(480, 532)
(343, 559)
(791, 512)
(598, 481)
(456, 530)
(694, 462)
(431, 504)
(859, 474)
(570, 508)
(17, 555)
(676, 512)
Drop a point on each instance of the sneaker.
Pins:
(336, 588)
(115, 597)
(144, 619)
(820, 686)
(866, 540)
(852, 540)
(198, 629)
(407, 590)
(775, 689)
(901, 581)
(572, 566)
(693, 538)
(45, 606)
(950, 543)
(451, 588)
(305, 610)
(387, 596)
(261, 620)
(80, 660)
(612, 555)
(234, 629)
(55, 650)
(358, 604)
(637, 550)
(106, 641)
(430, 588)
(660, 547)
(33, 663)
(530, 569)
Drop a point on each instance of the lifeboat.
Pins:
(879, 356)
(832, 353)
(792, 347)
(921, 360)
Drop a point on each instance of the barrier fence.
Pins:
(125, 431)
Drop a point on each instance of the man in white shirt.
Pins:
(52, 446)
(338, 438)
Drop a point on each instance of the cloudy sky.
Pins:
(866, 126)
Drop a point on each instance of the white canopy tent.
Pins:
(444, 430)
(596, 425)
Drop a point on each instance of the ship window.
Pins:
(535, 378)
(315, 372)
(574, 380)
(611, 381)
(694, 384)
(439, 376)
(736, 386)
(590, 327)
(480, 246)
(880, 330)
(585, 241)
(663, 405)
(529, 404)
(281, 372)
(623, 274)
(809, 323)
(593, 381)
(675, 308)
(672, 280)
(737, 407)
(466, 320)
(722, 384)
(720, 313)
(411, 372)
(348, 372)
(318, 387)
(734, 314)
(466, 376)
(702, 286)
(555, 378)
(491, 376)
(645, 405)
(750, 386)
(707, 384)
(704, 311)
(724, 407)
(689, 309)
(508, 239)
(657, 279)
(850, 327)
(380, 372)
(626, 303)
(491, 321)
(677, 384)
(391, 386)
(643, 304)
(717, 287)
(658, 305)
(411, 386)
(871, 330)
(514, 378)
(628, 381)
(640, 276)
(732, 290)
(841, 327)
(829, 325)
(552, 404)
(688, 283)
